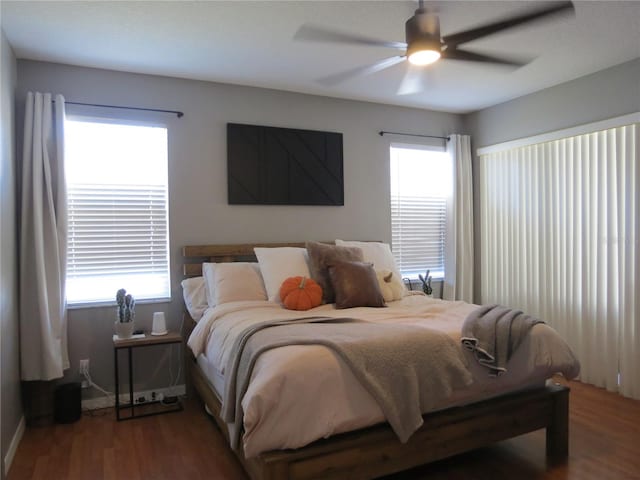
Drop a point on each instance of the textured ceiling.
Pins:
(251, 43)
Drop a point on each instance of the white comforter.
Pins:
(299, 394)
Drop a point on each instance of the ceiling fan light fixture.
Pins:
(424, 57)
(423, 38)
(424, 51)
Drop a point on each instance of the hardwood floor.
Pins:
(604, 444)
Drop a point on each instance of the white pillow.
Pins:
(238, 281)
(233, 281)
(209, 281)
(377, 253)
(195, 296)
(279, 263)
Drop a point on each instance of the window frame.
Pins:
(77, 114)
(433, 145)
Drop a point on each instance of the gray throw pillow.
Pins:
(321, 256)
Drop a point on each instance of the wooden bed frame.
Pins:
(376, 451)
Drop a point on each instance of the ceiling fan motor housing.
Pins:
(423, 32)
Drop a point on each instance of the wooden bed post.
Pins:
(558, 429)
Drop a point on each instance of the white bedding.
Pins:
(299, 394)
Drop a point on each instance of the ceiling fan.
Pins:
(424, 44)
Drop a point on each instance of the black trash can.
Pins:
(67, 403)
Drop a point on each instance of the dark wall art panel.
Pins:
(283, 166)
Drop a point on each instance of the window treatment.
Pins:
(43, 230)
(117, 210)
(458, 282)
(419, 191)
(560, 235)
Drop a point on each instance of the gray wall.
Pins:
(606, 94)
(10, 405)
(197, 176)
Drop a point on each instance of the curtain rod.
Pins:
(382, 132)
(175, 112)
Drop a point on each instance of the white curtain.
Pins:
(560, 239)
(43, 232)
(458, 282)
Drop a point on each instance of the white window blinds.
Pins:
(117, 211)
(420, 186)
(417, 233)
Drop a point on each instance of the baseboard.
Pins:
(13, 446)
(110, 401)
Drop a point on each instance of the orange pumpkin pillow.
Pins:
(300, 293)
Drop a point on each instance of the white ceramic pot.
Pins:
(124, 329)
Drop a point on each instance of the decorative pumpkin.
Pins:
(300, 293)
(391, 286)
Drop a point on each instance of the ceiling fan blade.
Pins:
(360, 71)
(458, 54)
(412, 81)
(478, 32)
(313, 33)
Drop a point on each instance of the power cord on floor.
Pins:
(105, 410)
(87, 377)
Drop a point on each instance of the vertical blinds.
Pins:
(560, 231)
(417, 233)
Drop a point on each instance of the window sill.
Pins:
(414, 278)
(78, 306)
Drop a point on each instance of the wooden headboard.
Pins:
(194, 255)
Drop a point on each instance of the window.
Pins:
(117, 209)
(420, 188)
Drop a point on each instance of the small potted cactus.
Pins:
(125, 314)
(426, 283)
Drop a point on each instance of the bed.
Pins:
(371, 448)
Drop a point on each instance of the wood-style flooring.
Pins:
(604, 444)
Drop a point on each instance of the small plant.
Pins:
(426, 283)
(126, 306)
